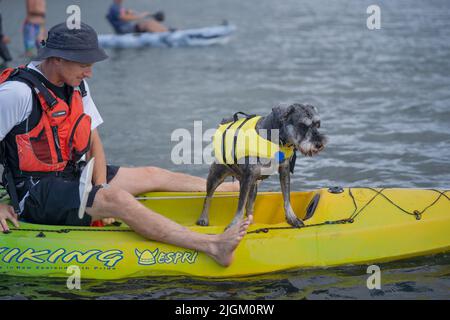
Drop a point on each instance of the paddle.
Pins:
(158, 16)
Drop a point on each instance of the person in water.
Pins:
(128, 21)
(43, 143)
(34, 26)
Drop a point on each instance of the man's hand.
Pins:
(7, 213)
(144, 14)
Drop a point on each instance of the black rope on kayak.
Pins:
(266, 230)
(355, 214)
(418, 214)
(67, 230)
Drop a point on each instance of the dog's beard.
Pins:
(307, 148)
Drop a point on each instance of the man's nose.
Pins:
(87, 73)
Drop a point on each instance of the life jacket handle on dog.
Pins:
(248, 116)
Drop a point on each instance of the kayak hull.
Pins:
(357, 226)
(181, 38)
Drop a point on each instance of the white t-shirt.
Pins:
(16, 104)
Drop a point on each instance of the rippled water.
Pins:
(383, 95)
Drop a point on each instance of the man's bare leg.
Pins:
(119, 204)
(152, 26)
(146, 179)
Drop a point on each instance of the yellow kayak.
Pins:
(347, 226)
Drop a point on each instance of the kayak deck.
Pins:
(360, 225)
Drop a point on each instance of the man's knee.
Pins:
(152, 172)
(111, 202)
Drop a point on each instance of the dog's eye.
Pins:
(317, 124)
(303, 126)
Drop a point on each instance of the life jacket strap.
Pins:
(235, 118)
(30, 76)
(72, 170)
(82, 88)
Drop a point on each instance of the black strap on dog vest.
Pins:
(224, 156)
(292, 162)
(235, 119)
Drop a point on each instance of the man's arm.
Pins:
(129, 15)
(6, 211)
(97, 151)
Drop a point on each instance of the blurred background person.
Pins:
(4, 40)
(129, 21)
(34, 26)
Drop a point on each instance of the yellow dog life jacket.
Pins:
(238, 139)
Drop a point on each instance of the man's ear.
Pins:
(56, 60)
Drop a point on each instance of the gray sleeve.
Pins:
(16, 103)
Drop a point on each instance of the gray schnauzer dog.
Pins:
(297, 127)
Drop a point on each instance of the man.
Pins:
(45, 132)
(127, 21)
(34, 26)
(4, 51)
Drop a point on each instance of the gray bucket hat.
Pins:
(79, 45)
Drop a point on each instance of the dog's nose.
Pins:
(318, 145)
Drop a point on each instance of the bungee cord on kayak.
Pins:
(378, 193)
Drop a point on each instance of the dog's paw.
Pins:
(203, 222)
(296, 222)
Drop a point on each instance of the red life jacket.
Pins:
(55, 133)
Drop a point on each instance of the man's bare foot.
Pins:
(229, 186)
(227, 242)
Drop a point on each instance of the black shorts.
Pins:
(55, 201)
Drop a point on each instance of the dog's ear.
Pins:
(277, 111)
(314, 108)
(287, 113)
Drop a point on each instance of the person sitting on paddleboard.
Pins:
(49, 122)
(128, 21)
